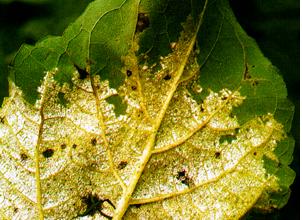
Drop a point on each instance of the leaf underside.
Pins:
(142, 112)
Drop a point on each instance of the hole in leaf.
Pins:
(48, 153)
(62, 100)
(228, 138)
(129, 73)
(83, 73)
(184, 178)
(180, 174)
(142, 22)
(122, 165)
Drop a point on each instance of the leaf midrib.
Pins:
(147, 153)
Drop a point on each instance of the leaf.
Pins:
(102, 124)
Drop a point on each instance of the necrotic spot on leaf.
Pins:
(93, 141)
(23, 156)
(167, 77)
(133, 88)
(217, 155)
(48, 153)
(255, 83)
(142, 22)
(63, 146)
(16, 210)
(74, 146)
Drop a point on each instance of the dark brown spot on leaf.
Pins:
(63, 146)
(48, 153)
(23, 156)
(129, 73)
(246, 75)
(93, 141)
(217, 155)
(133, 88)
(167, 77)
(74, 146)
(255, 83)
(122, 165)
(255, 153)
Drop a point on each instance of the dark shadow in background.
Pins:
(274, 24)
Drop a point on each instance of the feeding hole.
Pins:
(183, 177)
(48, 153)
(129, 73)
(122, 165)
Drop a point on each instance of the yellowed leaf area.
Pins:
(167, 157)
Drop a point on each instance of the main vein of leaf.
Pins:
(124, 201)
(219, 177)
(37, 150)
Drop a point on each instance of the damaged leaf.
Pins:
(145, 121)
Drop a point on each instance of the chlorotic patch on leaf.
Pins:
(174, 150)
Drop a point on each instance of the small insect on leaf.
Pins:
(94, 204)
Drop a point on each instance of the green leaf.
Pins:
(139, 111)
